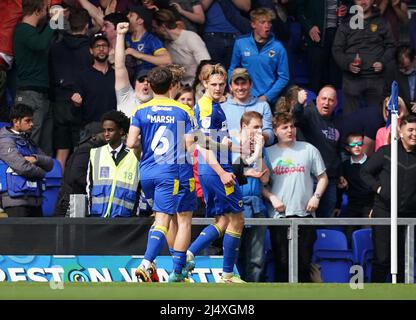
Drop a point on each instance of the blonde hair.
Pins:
(262, 12)
(211, 70)
(402, 106)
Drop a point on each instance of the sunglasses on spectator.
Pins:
(355, 144)
(142, 79)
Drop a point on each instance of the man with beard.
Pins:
(95, 94)
(31, 56)
(127, 98)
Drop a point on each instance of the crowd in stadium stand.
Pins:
(78, 69)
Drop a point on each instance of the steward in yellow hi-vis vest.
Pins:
(113, 172)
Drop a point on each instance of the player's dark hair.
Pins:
(160, 79)
(119, 118)
(115, 18)
(78, 19)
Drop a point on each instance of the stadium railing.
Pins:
(293, 224)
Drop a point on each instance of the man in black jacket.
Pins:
(376, 172)
(363, 52)
(319, 129)
(68, 57)
(75, 176)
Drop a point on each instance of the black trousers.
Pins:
(322, 66)
(355, 211)
(381, 242)
(280, 246)
(24, 211)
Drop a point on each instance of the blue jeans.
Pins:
(328, 201)
(251, 255)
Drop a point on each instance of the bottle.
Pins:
(357, 60)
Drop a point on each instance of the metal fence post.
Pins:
(410, 253)
(293, 251)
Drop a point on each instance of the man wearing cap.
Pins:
(242, 101)
(127, 98)
(75, 176)
(94, 94)
(263, 56)
(147, 49)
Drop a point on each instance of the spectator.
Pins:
(319, 21)
(185, 47)
(360, 196)
(10, 15)
(127, 98)
(405, 75)
(318, 127)
(113, 171)
(27, 163)
(95, 94)
(68, 57)
(263, 56)
(376, 173)
(251, 254)
(104, 8)
(186, 96)
(75, 175)
(242, 101)
(109, 29)
(412, 31)
(147, 49)
(191, 13)
(383, 133)
(363, 55)
(396, 14)
(286, 104)
(219, 33)
(293, 164)
(30, 47)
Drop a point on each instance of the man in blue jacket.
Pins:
(25, 166)
(263, 56)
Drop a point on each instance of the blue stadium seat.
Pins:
(362, 249)
(3, 181)
(53, 182)
(269, 264)
(4, 124)
(331, 252)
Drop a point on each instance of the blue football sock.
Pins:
(205, 238)
(231, 244)
(171, 251)
(155, 242)
(179, 261)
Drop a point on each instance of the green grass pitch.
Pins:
(199, 291)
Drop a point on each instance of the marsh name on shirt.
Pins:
(160, 119)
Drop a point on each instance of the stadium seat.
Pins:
(331, 252)
(3, 181)
(4, 124)
(53, 182)
(269, 264)
(362, 249)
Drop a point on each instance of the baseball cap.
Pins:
(96, 37)
(90, 130)
(240, 73)
(143, 13)
(142, 73)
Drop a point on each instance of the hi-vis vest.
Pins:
(19, 186)
(114, 187)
